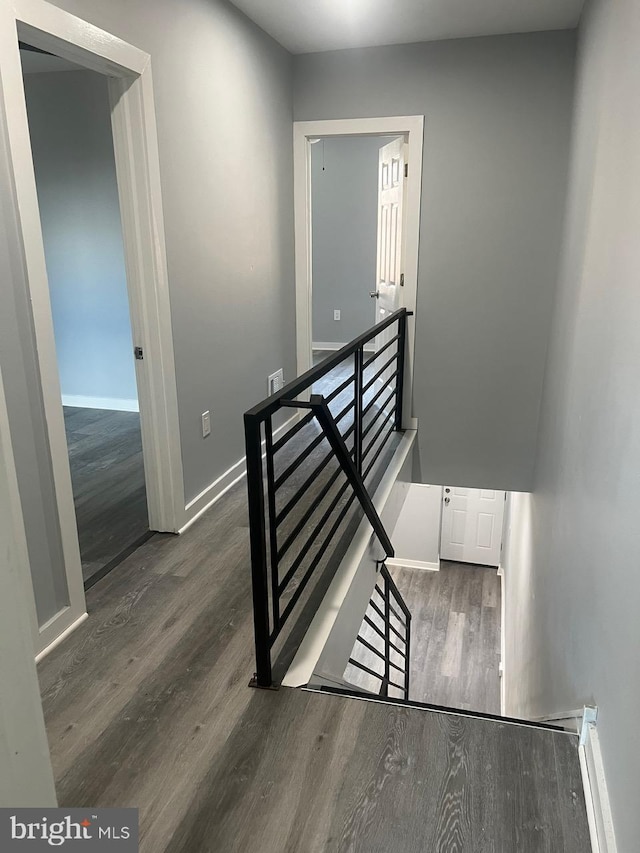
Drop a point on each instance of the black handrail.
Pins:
(271, 404)
(277, 587)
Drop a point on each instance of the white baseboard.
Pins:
(422, 565)
(503, 643)
(54, 643)
(206, 499)
(571, 721)
(115, 404)
(603, 838)
(334, 346)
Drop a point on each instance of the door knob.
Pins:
(447, 500)
(375, 294)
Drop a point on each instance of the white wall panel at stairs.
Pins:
(416, 535)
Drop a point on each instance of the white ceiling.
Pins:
(39, 63)
(306, 26)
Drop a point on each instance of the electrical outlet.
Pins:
(275, 382)
(206, 424)
(336, 313)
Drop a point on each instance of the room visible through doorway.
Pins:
(71, 139)
(355, 236)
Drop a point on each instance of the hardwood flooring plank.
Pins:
(452, 831)
(454, 660)
(452, 653)
(107, 474)
(490, 589)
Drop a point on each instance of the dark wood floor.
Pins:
(107, 473)
(455, 638)
(456, 635)
(147, 705)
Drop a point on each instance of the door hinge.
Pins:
(138, 353)
(401, 279)
(406, 170)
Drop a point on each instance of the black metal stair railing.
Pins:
(302, 485)
(384, 639)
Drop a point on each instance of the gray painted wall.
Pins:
(223, 104)
(344, 221)
(498, 113)
(70, 129)
(575, 577)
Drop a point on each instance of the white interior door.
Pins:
(472, 525)
(391, 186)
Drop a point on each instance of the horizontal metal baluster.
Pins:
(308, 513)
(339, 389)
(302, 423)
(292, 502)
(378, 452)
(365, 668)
(381, 411)
(368, 645)
(294, 598)
(311, 539)
(382, 349)
(372, 443)
(293, 466)
(380, 372)
(378, 393)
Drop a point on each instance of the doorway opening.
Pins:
(69, 118)
(357, 262)
(59, 36)
(356, 238)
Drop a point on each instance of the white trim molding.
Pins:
(420, 565)
(503, 643)
(412, 127)
(27, 777)
(570, 721)
(49, 28)
(61, 637)
(111, 404)
(333, 346)
(603, 839)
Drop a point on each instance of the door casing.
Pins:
(49, 28)
(412, 128)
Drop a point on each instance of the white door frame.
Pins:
(27, 774)
(42, 25)
(412, 127)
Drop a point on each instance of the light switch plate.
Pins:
(206, 424)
